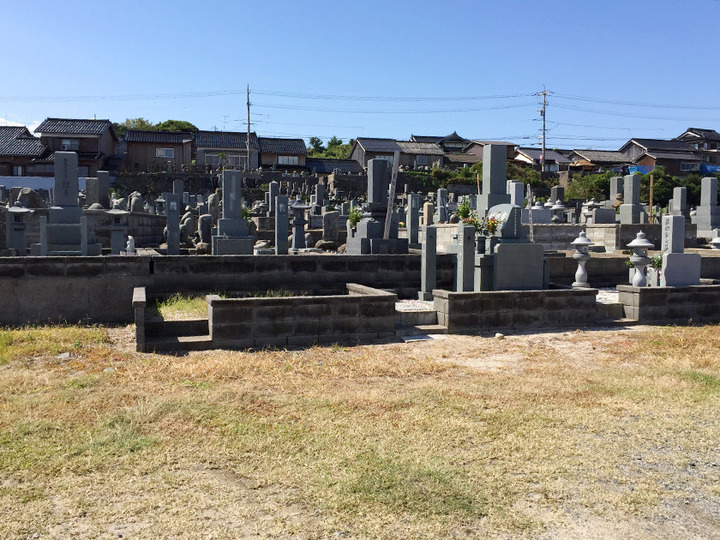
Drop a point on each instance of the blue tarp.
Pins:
(709, 169)
(642, 169)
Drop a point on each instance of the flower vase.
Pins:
(490, 243)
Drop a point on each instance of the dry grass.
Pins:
(467, 436)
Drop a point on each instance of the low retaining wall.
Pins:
(671, 305)
(365, 314)
(99, 289)
(471, 312)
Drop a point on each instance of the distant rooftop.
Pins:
(72, 126)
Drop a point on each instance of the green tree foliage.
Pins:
(176, 125)
(590, 186)
(146, 125)
(335, 148)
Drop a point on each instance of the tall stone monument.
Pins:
(707, 215)
(679, 269)
(233, 236)
(370, 230)
(631, 211)
(494, 181)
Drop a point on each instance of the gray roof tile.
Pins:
(161, 137)
(272, 145)
(72, 126)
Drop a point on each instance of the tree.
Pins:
(133, 123)
(317, 149)
(176, 125)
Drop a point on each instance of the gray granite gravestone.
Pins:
(516, 190)
(494, 181)
(330, 226)
(631, 211)
(413, 218)
(281, 224)
(678, 203)
(428, 263)
(707, 215)
(679, 269)
(616, 188)
(557, 193)
(233, 236)
(172, 228)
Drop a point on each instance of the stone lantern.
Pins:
(640, 258)
(298, 222)
(557, 209)
(117, 230)
(582, 244)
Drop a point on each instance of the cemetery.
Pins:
(384, 265)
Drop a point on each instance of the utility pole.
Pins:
(544, 95)
(247, 140)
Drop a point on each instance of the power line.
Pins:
(408, 111)
(636, 104)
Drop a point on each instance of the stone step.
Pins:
(415, 317)
(178, 343)
(420, 329)
(187, 327)
(610, 310)
(615, 322)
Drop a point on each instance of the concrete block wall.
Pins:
(365, 314)
(471, 312)
(671, 305)
(603, 271)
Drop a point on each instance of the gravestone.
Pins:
(428, 213)
(273, 191)
(631, 211)
(65, 231)
(707, 215)
(494, 181)
(330, 226)
(177, 187)
(16, 229)
(3, 195)
(557, 193)
(117, 231)
(172, 228)
(679, 269)
(465, 267)
(441, 213)
(616, 188)
(298, 223)
(281, 224)
(428, 263)
(413, 218)
(678, 203)
(516, 190)
(371, 228)
(233, 236)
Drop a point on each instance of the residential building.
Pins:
(18, 149)
(366, 148)
(677, 157)
(230, 147)
(420, 154)
(285, 154)
(93, 140)
(324, 167)
(475, 148)
(598, 160)
(554, 161)
(450, 144)
(156, 150)
(706, 142)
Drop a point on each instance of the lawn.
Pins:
(606, 434)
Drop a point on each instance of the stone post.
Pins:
(428, 265)
(465, 268)
(413, 218)
(281, 225)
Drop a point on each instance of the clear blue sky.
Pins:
(617, 69)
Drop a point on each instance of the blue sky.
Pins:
(617, 69)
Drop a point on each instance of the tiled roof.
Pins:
(225, 139)
(704, 134)
(550, 155)
(8, 133)
(17, 141)
(73, 126)
(426, 139)
(601, 156)
(282, 146)
(420, 148)
(461, 158)
(454, 137)
(683, 156)
(327, 166)
(661, 144)
(161, 137)
(91, 156)
(378, 145)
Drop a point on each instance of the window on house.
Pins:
(236, 161)
(212, 159)
(17, 170)
(168, 153)
(689, 167)
(421, 161)
(288, 160)
(70, 145)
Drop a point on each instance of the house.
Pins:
(450, 144)
(597, 160)
(155, 150)
(287, 154)
(324, 167)
(677, 157)
(93, 140)
(212, 147)
(366, 148)
(18, 148)
(412, 154)
(706, 142)
(475, 148)
(554, 161)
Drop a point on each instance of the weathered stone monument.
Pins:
(371, 229)
(678, 204)
(233, 235)
(413, 219)
(428, 263)
(494, 181)
(678, 268)
(631, 211)
(707, 215)
(172, 229)
(97, 190)
(516, 190)
(281, 224)
(16, 228)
